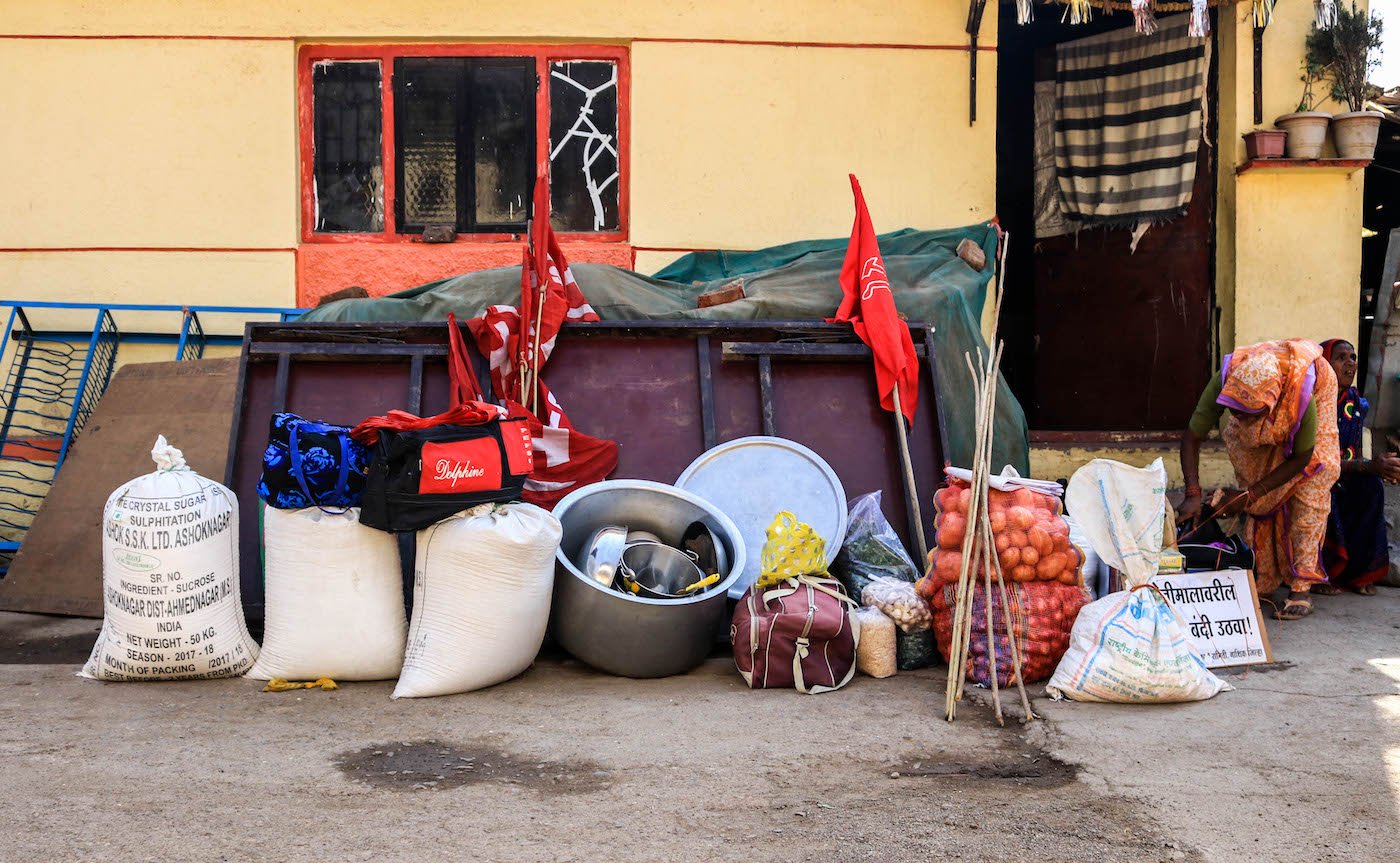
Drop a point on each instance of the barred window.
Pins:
(459, 138)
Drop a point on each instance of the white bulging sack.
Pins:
(1131, 647)
(483, 583)
(334, 604)
(1121, 510)
(171, 607)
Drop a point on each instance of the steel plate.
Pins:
(752, 479)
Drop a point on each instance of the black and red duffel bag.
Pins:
(424, 469)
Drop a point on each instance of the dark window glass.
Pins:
(583, 165)
(503, 135)
(347, 146)
(466, 140)
(428, 97)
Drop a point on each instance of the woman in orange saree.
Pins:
(1281, 437)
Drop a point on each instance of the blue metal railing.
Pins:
(55, 379)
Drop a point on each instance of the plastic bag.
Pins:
(875, 654)
(793, 548)
(871, 548)
(900, 601)
(1130, 647)
(1089, 569)
(915, 649)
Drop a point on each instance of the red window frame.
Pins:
(543, 55)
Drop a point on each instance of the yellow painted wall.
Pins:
(1058, 462)
(1298, 255)
(170, 143)
(147, 143)
(219, 278)
(742, 146)
(131, 151)
(885, 21)
(157, 278)
(1288, 241)
(185, 143)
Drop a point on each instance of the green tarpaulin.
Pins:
(796, 281)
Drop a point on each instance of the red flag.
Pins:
(869, 306)
(554, 296)
(513, 340)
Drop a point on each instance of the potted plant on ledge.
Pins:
(1306, 127)
(1264, 144)
(1346, 54)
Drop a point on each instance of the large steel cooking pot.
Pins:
(634, 636)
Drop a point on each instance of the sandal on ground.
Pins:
(1325, 589)
(1366, 590)
(1295, 608)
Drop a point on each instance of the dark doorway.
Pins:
(1098, 338)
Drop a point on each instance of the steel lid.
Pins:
(752, 479)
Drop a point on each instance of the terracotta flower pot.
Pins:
(1307, 132)
(1264, 143)
(1355, 134)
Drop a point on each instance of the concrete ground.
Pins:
(1300, 763)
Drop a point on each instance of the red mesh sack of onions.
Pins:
(1031, 537)
(1041, 569)
(1042, 614)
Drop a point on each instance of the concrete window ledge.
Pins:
(1336, 166)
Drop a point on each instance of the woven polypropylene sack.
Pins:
(171, 609)
(334, 598)
(1131, 647)
(1120, 509)
(482, 588)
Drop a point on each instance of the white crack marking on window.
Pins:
(595, 142)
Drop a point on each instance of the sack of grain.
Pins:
(1131, 647)
(482, 588)
(334, 598)
(171, 607)
(875, 654)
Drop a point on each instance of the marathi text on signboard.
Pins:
(1221, 613)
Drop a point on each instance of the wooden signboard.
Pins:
(1221, 614)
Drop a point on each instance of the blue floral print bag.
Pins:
(309, 463)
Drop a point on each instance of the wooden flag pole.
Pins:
(535, 356)
(527, 275)
(530, 399)
(907, 463)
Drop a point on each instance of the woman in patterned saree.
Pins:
(1281, 436)
(1355, 554)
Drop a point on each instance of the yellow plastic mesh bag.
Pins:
(792, 549)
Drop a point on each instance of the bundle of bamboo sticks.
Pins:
(979, 554)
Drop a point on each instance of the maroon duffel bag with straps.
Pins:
(801, 632)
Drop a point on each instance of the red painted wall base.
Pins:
(385, 268)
